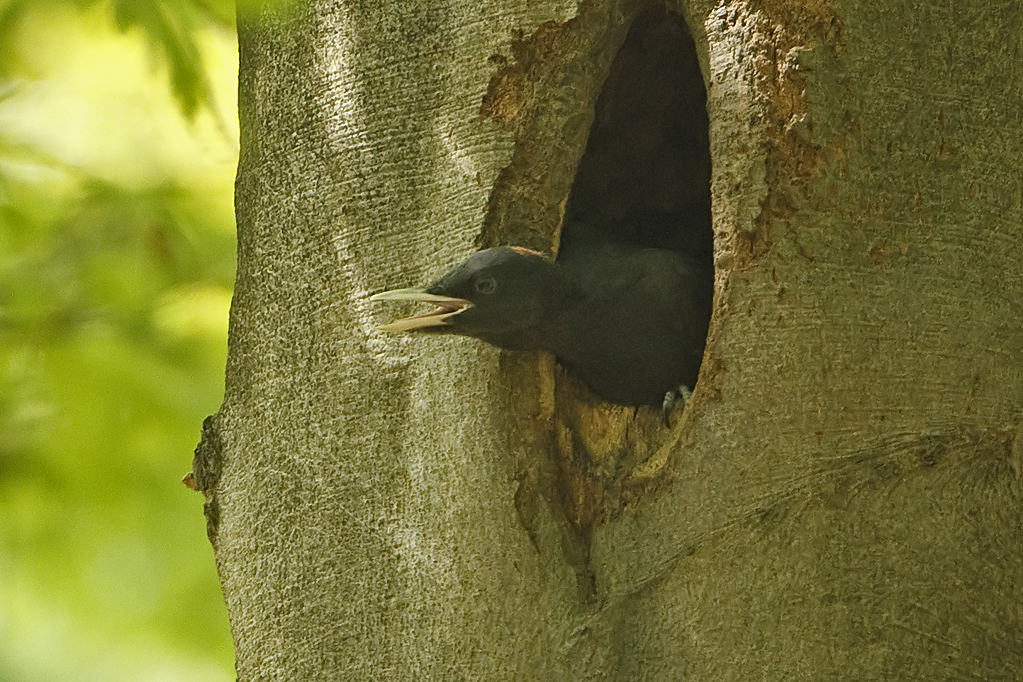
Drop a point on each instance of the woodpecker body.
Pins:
(629, 321)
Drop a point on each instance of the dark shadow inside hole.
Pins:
(644, 179)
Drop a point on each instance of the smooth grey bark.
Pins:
(841, 498)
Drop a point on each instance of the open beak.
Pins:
(446, 307)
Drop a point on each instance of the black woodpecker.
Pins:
(629, 321)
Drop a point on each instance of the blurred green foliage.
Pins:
(169, 26)
(117, 154)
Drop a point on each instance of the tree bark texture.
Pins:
(841, 496)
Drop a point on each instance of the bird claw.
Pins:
(672, 398)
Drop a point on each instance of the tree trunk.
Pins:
(841, 496)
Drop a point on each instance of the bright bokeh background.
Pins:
(118, 145)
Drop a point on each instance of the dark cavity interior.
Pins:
(644, 178)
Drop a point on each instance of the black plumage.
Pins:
(629, 321)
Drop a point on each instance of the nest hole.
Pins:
(644, 178)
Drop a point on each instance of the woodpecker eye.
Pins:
(486, 284)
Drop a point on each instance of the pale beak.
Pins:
(446, 307)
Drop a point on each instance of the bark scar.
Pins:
(207, 464)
